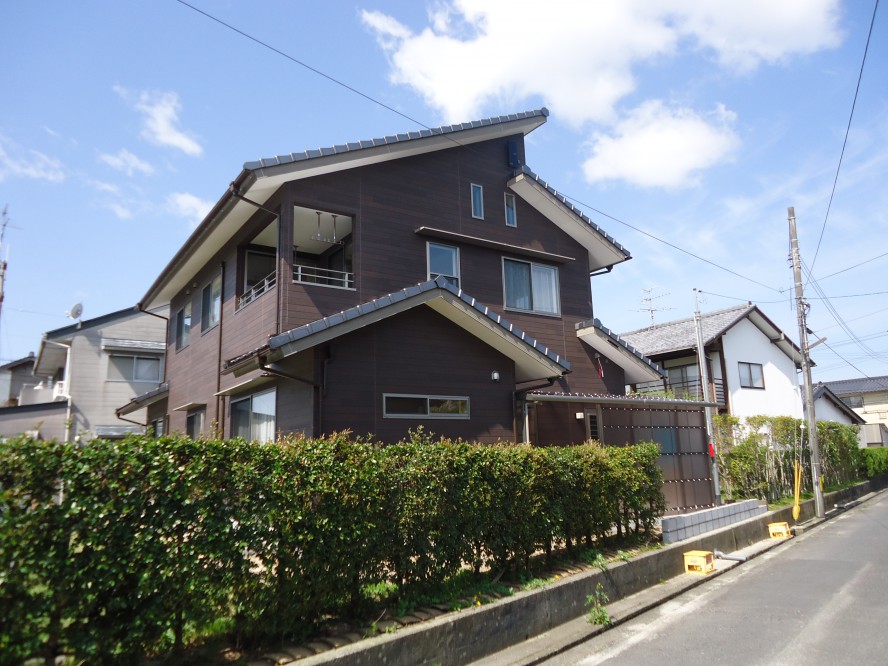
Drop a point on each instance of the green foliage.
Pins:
(596, 604)
(114, 551)
(874, 461)
(756, 458)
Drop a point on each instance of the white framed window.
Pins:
(183, 326)
(530, 287)
(443, 261)
(211, 304)
(194, 424)
(411, 406)
(477, 202)
(253, 417)
(125, 368)
(511, 210)
(751, 375)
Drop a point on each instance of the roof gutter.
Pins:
(618, 400)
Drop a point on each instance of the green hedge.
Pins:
(875, 461)
(114, 550)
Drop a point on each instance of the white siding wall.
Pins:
(827, 411)
(780, 397)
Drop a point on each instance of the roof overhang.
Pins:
(776, 336)
(144, 400)
(637, 367)
(532, 360)
(628, 400)
(603, 251)
(258, 181)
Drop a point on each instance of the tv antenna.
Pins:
(648, 303)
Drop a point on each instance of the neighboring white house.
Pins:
(752, 364)
(868, 397)
(82, 372)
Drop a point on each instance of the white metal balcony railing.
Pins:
(257, 291)
(687, 390)
(323, 276)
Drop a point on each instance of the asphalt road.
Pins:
(821, 598)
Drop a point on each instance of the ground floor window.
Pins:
(157, 427)
(194, 423)
(405, 406)
(253, 417)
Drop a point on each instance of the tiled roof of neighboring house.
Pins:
(89, 323)
(145, 399)
(823, 391)
(422, 293)
(682, 334)
(19, 361)
(859, 385)
(615, 348)
(391, 139)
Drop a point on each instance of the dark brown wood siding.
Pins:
(417, 352)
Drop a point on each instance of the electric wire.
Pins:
(413, 120)
(847, 132)
(885, 254)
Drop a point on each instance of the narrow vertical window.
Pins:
(511, 212)
(211, 304)
(477, 202)
(183, 326)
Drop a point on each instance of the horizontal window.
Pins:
(404, 406)
(751, 375)
(530, 287)
(133, 368)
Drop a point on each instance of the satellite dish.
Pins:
(76, 311)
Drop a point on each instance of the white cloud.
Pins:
(189, 206)
(161, 112)
(119, 210)
(102, 186)
(579, 60)
(126, 162)
(656, 146)
(34, 165)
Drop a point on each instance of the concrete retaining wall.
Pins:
(468, 635)
(685, 526)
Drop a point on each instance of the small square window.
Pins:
(751, 375)
(511, 211)
(477, 202)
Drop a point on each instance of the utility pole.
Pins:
(704, 381)
(3, 224)
(802, 312)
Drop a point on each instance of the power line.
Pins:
(854, 266)
(845, 142)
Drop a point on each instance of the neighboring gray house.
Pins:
(829, 407)
(752, 364)
(14, 377)
(82, 372)
(868, 397)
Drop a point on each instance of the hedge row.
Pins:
(113, 550)
(757, 455)
(875, 461)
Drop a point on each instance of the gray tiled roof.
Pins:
(382, 302)
(860, 385)
(681, 334)
(391, 139)
(563, 200)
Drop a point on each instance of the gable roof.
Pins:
(823, 391)
(681, 334)
(532, 359)
(637, 367)
(260, 179)
(603, 250)
(859, 385)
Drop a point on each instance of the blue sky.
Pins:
(695, 122)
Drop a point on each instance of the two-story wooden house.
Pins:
(424, 279)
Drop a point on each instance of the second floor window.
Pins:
(751, 375)
(444, 262)
(183, 326)
(511, 210)
(211, 304)
(530, 287)
(123, 368)
(477, 202)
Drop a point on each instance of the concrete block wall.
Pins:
(685, 526)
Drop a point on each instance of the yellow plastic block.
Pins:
(699, 561)
(779, 530)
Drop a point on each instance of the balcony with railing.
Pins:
(325, 277)
(264, 285)
(684, 390)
